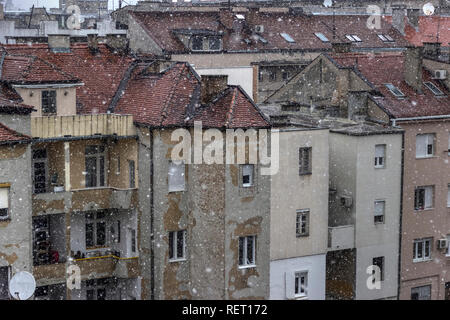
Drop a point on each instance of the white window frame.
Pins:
(297, 284)
(98, 168)
(173, 184)
(422, 151)
(94, 220)
(395, 90)
(380, 153)
(433, 88)
(416, 249)
(250, 169)
(174, 245)
(376, 214)
(246, 262)
(428, 201)
(302, 217)
(5, 201)
(419, 289)
(322, 37)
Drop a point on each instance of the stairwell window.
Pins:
(48, 102)
(305, 157)
(380, 155)
(301, 284)
(423, 198)
(247, 251)
(422, 250)
(425, 145)
(177, 245)
(176, 176)
(4, 203)
(379, 211)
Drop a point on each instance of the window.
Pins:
(301, 284)
(49, 102)
(448, 195)
(385, 38)
(95, 166)
(421, 293)
(379, 211)
(247, 251)
(287, 37)
(260, 76)
(380, 155)
(448, 246)
(176, 176)
(273, 75)
(302, 223)
(40, 170)
(422, 250)
(394, 90)
(433, 88)
(4, 283)
(177, 245)
(379, 262)
(247, 175)
(4, 203)
(305, 155)
(425, 145)
(321, 36)
(133, 240)
(285, 75)
(96, 289)
(353, 38)
(118, 165)
(132, 173)
(423, 198)
(197, 43)
(95, 229)
(214, 43)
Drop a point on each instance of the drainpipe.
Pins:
(152, 229)
(400, 229)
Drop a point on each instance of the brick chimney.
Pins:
(211, 86)
(413, 67)
(92, 40)
(59, 42)
(117, 42)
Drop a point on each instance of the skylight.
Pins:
(385, 38)
(240, 16)
(353, 38)
(436, 91)
(394, 90)
(287, 37)
(321, 36)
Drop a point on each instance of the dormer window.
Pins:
(202, 43)
(394, 90)
(214, 43)
(197, 43)
(436, 91)
(49, 102)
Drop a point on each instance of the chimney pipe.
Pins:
(59, 42)
(341, 47)
(211, 86)
(432, 49)
(398, 18)
(117, 42)
(413, 67)
(92, 40)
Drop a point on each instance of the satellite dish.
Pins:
(327, 3)
(22, 285)
(428, 9)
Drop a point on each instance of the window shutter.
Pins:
(3, 198)
(290, 285)
(421, 145)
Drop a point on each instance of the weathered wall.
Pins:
(65, 100)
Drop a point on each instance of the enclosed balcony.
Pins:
(341, 237)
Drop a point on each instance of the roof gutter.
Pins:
(445, 116)
(43, 86)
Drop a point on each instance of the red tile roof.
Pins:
(172, 98)
(8, 135)
(430, 29)
(160, 27)
(380, 69)
(11, 102)
(101, 73)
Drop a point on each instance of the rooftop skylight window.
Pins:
(287, 37)
(353, 38)
(385, 38)
(394, 90)
(436, 91)
(321, 36)
(240, 16)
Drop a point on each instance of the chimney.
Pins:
(211, 86)
(413, 67)
(117, 42)
(59, 42)
(341, 47)
(432, 49)
(398, 18)
(2, 12)
(92, 40)
(413, 17)
(357, 105)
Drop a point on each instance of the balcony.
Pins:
(82, 126)
(341, 237)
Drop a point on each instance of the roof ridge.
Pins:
(170, 95)
(230, 112)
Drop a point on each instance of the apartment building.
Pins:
(106, 195)
(15, 190)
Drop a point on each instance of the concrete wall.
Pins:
(242, 76)
(281, 273)
(430, 223)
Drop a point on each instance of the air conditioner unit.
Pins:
(346, 201)
(442, 243)
(440, 74)
(259, 28)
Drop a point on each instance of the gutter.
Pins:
(444, 116)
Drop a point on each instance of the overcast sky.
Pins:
(26, 4)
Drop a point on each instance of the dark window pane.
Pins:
(91, 172)
(180, 244)
(102, 171)
(4, 283)
(132, 174)
(171, 245)
(90, 294)
(101, 233)
(89, 235)
(197, 43)
(250, 258)
(241, 251)
(101, 294)
(48, 101)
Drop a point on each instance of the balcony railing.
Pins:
(82, 125)
(342, 237)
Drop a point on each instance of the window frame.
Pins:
(418, 293)
(132, 174)
(7, 188)
(7, 270)
(100, 157)
(50, 96)
(434, 89)
(382, 267)
(243, 241)
(251, 182)
(174, 245)
(396, 92)
(424, 201)
(302, 168)
(170, 186)
(383, 165)
(379, 215)
(416, 249)
(297, 286)
(304, 215)
(427, 145)
(94, 220)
